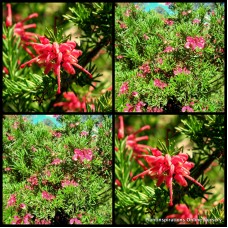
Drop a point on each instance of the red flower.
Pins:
(187, 109)
(12, 200)
(168, 49)
(124, 88)
(196, 21)
(179, 70)
(75, 221)
(194, 42)
(33, 180)
(17, 220)
(158, 83)
(168, 22)
(130, 108)
(167, 168)
(68, 183)
(47, 196)
(84, 154)
(73, 103)
(146, 37)
(57, 134)
(84, 133)
(26, 218)
(184, 214)
(52, 56)
(56, 161)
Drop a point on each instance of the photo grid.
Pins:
(113, 114)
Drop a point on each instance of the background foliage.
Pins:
(142, 37)
(91, 198)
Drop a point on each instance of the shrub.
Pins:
(175, 63)
(57, 175)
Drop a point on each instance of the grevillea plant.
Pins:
(174, 62)
(57, 60)
(174, 177)
(57, 175)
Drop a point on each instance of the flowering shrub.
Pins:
(170, 60)
(70, 60)
(178, 181)
(57, 178)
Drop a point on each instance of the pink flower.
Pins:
(146, 37)
(179, 70)
(52, 56)
(154, 109)
(65, 183)
(134, 94)
(160, 61)
(137, 7)
(72, 104)
(33, 149)
(184, 214)
(17, 220)
(196, 21)
(22, 206)
(167, 168)
(127, 13)
(10, 137)
(119, 57)
(12, 200)
(26, 218)
(20, 28)
(47, 196)
(7, 169)
(57, 134)
(168, 22)
(184, 13)
(84, 133)
(130, 108)
(84, 154)
(168, 49)
(56, 161)
(194, 42)
(158, 83)
(43, 221)
(75, 221)
(123, 88)
(139, 105)
(168, 3)
(187, 109)
(145, 68)
(123, 25)
(33, 180)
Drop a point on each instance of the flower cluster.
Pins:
(187, 109)
(25, 219)
(168, 22)
(72, 104)
(179, 70)
(12, 200)
(146, 69)
(167, 168)
(75, 221)
(56, 161)
(47, 196)
(84, 133)
(123, 88)
(20, 28)
(66, 183)
(168, 49)
(158, 83)
(194, 42)
(82, 154)
(33, 180)
(53, 56)
(184, 214)
(56, 134)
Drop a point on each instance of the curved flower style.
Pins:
(73, 103)
(184, 214)
(53, 56)
(167, 168)
(20, 28)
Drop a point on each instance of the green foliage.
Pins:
(141, 201)
(206, 65)
(29, 89)
(32, 154)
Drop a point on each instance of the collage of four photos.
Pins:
(114, 114)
